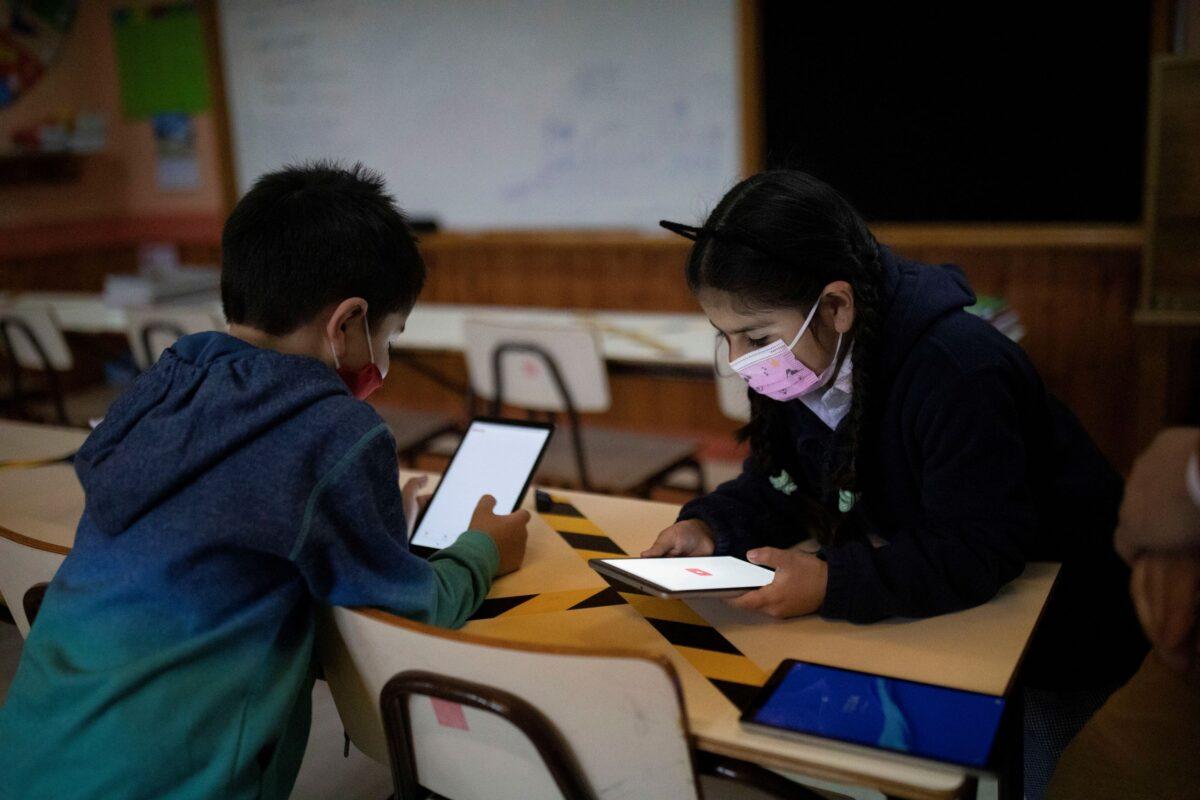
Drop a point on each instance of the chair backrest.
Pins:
(530, 358)
(618, 717)
(732, 396)
(22, 567)
(152, 329)
(36, 342)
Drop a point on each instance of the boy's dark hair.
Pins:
(311, 235)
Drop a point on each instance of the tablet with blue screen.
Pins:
(857, 710)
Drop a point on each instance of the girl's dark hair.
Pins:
(775, 241)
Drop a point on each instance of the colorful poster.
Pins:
(161, 59)
(31, 34)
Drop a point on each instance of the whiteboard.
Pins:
(495, 113)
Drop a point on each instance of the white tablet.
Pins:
(702, 576)
(496, 457)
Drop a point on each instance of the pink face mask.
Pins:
(364, 380)
(774, 370)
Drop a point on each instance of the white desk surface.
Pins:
(685, 339)
(86, 312)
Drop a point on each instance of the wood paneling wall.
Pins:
(1074, 286)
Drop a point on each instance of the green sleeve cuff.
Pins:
(476, 547)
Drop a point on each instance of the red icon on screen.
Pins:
(698, 571)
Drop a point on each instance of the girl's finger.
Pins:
(750, 601)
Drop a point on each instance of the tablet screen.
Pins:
(495, 458)
(918, 719)
(705, 573)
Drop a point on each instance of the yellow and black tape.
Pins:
(547, 602)
(693, 637)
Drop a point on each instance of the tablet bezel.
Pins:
(605, 567)
(990, 765)
(424, 550)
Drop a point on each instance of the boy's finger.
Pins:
(520, 516)
(486, 503)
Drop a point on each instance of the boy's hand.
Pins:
(798, 587)
(508, 531)
(688, 538)
(414, 501)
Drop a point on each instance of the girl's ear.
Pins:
(837, 307)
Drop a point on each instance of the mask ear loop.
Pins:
(807, 321)
(370, 348)
(337, 364)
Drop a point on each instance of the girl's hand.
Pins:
(798, 588)
(688, 538)
(414, 501)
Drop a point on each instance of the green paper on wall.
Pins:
(161, 60)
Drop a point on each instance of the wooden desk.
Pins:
(686, 339)
(40, 505)
(977, 650)
(86, 312)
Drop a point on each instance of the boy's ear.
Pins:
(344, 313)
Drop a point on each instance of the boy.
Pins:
(235, 487)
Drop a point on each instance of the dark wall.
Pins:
(966, 111)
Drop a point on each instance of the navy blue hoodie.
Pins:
(230, 492)
(969, 469)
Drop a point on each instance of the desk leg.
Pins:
(1011, 776)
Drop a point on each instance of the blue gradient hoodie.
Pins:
(229, 492)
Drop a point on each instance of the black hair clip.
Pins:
(686, 231)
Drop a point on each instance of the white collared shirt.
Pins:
(831, 403)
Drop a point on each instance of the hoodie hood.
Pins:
(917, 296)
(205, 398)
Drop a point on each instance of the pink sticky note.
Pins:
(449, 715)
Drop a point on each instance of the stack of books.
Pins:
(997, 311)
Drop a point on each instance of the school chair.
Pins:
(33, 343)
(556, 371)
(22, 568)
(468, 717)
(152, 329)
(416, 431)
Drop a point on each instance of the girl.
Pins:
(911, 444)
